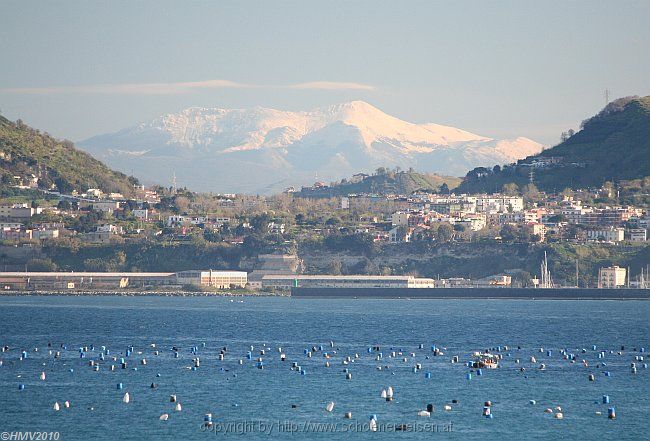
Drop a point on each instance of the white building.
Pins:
(612, 277)
(610, 234)
(216, 279)
(353, 281)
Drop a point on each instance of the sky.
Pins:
(497, 68)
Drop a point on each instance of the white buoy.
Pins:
(389, 392)
(178, 407)
(126, 398)
(559, 416)
(447, 407)
(164, 417)
(548, 410)
(383, 393)
(424, 413)
(43, 376)
(56, 406)
(66, 405)
(372, 425)
(330, 406)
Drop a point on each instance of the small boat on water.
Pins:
(485, 361)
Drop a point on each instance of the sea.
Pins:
(339, 355)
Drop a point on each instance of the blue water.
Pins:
(243, 398)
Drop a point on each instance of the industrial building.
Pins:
(216, 279)
(356, 281)
(119, 280)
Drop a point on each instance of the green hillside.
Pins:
(58, 165)
(384, 182)
(614, 145)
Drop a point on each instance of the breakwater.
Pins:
(474, 293)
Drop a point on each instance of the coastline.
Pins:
(89, 293)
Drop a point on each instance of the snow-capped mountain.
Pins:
(261, 150)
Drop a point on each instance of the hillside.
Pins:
(29, 157)
(216, 149)
(384, 182)
(614, 145)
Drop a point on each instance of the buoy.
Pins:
(447, 407)
(178, 407)
(56, 406)
(468, 376)
(373, 423)
(605, 399)
(559, 416)
(611, 413)
(66, 405)
(207, 420)
(42, 375)
(126, 398)
(348, 415)
(172, 398)
(429, 407)
(383, 393)
(479, 372)
(330, 406)
(424, 413)
(548, 410)
(348, 376)
(120, 386)
(592, 377)
(532, 402)
(427, 375)
(21, 387)
(164, 417)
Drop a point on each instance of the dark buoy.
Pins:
(429, 407)
(154, 385)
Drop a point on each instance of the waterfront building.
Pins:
(612, 277)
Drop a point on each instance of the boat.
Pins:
(485, 361)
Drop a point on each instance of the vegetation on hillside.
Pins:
(612, 146)
(385, 181)
(26, 153)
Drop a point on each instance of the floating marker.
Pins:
(21, 387)
(42, 376)
(424, 413)
(348, 415)
(532, 402)
(56, 406)
(207, 420)
(447, 407)
(178, 407)
(330, 406)
(559, 416)
(164, 417)
(611, 413)
(605, 399)
(126, 398)
(120, 386)
(427, 375)
(468, 376)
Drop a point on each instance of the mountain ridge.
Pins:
(613, 145)
(33, 159)
(292, 148)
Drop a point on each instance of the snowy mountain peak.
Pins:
(333, 141)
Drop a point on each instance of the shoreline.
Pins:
(107, 293)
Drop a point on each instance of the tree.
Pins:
(444, 188)
(335, 267)
(496, 169)
(511, 189)
(445, 233)
(508, 233)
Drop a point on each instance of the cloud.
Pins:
(175, 88)
(331, 85)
